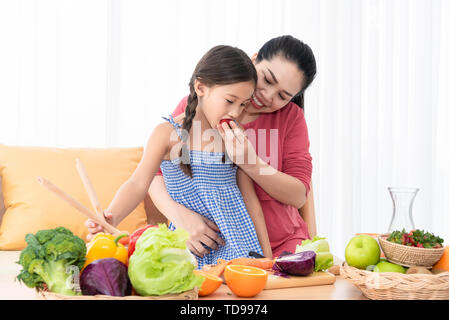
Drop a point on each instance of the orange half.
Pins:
(210, 283)
(245, 281)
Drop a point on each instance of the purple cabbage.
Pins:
(285, 253)
(106, 276)
(297, 264)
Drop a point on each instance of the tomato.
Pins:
(225, 121)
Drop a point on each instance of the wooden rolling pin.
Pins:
(77, 205)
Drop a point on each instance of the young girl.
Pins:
(220, 87)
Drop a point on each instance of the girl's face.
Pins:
(223, 101)
(278, 81)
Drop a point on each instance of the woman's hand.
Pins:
(279, 185)
(238, 148)
(202, 232)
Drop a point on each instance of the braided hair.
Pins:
(221, 65)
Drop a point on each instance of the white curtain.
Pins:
(101, 74)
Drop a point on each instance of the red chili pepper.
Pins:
(134, 236)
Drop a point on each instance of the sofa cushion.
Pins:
(2, 204)
(31, 207)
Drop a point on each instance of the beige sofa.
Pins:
(2, 205)
(9, 269)
(153, 214)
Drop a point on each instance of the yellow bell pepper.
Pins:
(106, 246)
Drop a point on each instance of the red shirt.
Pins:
(285, 226)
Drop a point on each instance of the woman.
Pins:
(285, 67)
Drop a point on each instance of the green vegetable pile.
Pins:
(416, 238)
(324, 259)
(49, 258)
(162, 263)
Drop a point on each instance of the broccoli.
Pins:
(48, 258)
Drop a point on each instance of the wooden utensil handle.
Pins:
(89, 188)
(77, 205)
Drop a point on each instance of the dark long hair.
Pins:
(296, 51)
(221, 65)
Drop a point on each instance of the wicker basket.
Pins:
(398, 286)
(187, 295)
(409, 256)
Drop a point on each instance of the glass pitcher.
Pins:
(402, 208)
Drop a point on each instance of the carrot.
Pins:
(218, 269)
(263, 263)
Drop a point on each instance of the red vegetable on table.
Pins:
(134, 237)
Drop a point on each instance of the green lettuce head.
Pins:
(162, 263)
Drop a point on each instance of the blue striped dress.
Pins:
(213, 192)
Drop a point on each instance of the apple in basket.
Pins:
(362, 251)
(385, 266)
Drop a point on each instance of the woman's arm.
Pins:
(307, 212)
(201, 230)
(255, 211)
(133, 191)
(280, 186)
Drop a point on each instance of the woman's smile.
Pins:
(257, 102)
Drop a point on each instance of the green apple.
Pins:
(362, 251)
(385, 266)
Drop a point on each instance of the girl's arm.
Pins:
(133, 191)
(201, 230)
(255, 211)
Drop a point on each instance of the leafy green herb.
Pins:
(416, 238)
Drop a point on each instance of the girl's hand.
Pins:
(94, 227)
(202, 232)
(239, 149)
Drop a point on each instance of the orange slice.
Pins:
(245, 281)
(210, 283)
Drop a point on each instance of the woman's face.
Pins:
(278, 81)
